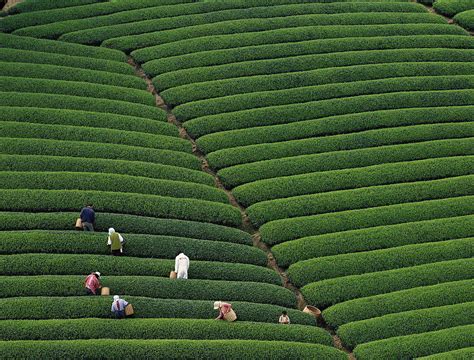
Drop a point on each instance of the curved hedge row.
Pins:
(347, 159)
(81, 103)
(370, 138)
(332, 291)
(165, 247)
(67, 264)
(197, 329)
(93, 135)
(319, 182)
(154, 287)
(51, 72)
(151, 24)
(279, 231)
(398, 301)
(452, 7)
(133, 204)
(125, 224)
(81, 62)
(62, 87)
(132, 168)
(411, 346)
(77, 12)
(318, 109)
(87, 119)
(466, 19)
(330, 267)
(99, 307)
(334, 125)
(203, 57)
(32, 5)
(405, 323)
(282, 81)
(110, 183)
(85, 149)
(465, 353)
(288, 35)
(368, 197)
(57, 47)
(132, 42)
(374, 238)
(305, 63)
(158, 329)
(166, 349)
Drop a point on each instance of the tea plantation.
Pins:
(300, 152)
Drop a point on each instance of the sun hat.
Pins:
(98, 274)
(217, 304)
(116, 297)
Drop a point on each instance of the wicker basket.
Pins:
(78, 225)
(173, 275)
(129, 310)
(312, 310)
(230, 316)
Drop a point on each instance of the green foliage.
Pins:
(374, 238)
(346, 159)
(312, 270)
(411, 346)
(168, 349)
(126, 224)
(282, 81)
(132, 168)
(81, 103)
(81, 62)
(322, 92)
(94, 135)
(405, 323)
(398, 301)
(158, 329)
(279, 231)
(86, 118)
(319, 182)
(318, 109)
(109, 182)
(334, 125)
(99, 307)
(465, 19)
(292, 35)
(97, 35)
(67, 264)
(77, 88)
(132, 42)
(126, 203)
(305, 63)
(55, 72)
(362, 198)
(465, 353)
(332, 291)
(56, 47)
(165, 288)
(172, 62)
(149, 246)
(77, 12)
(84, 149)
(452, 7)
(35, 5)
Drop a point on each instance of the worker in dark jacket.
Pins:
(88, 218)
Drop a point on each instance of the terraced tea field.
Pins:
(299, 152)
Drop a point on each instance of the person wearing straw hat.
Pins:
(181, 265)
(224, 309)
(118, 307)
(115, 241)
(92, 283)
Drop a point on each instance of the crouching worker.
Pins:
(181, 266)
(284, 318)
(92, 283)
(115, 241)
(225, 311)
(118, 307)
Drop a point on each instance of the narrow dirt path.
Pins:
(247, 225)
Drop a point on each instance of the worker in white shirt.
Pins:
(118, 307)
(181, 266)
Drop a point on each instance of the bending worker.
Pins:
(115, 241)
(224, 309)
(181, 266)
(92, 283)
(88, 218)
(118, 307)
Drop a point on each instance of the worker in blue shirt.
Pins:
(118, 307)
(88, 218)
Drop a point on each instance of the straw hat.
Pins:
(116, 297)
(217, 305)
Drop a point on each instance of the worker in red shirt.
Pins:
(92, 283)
(224, 309)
